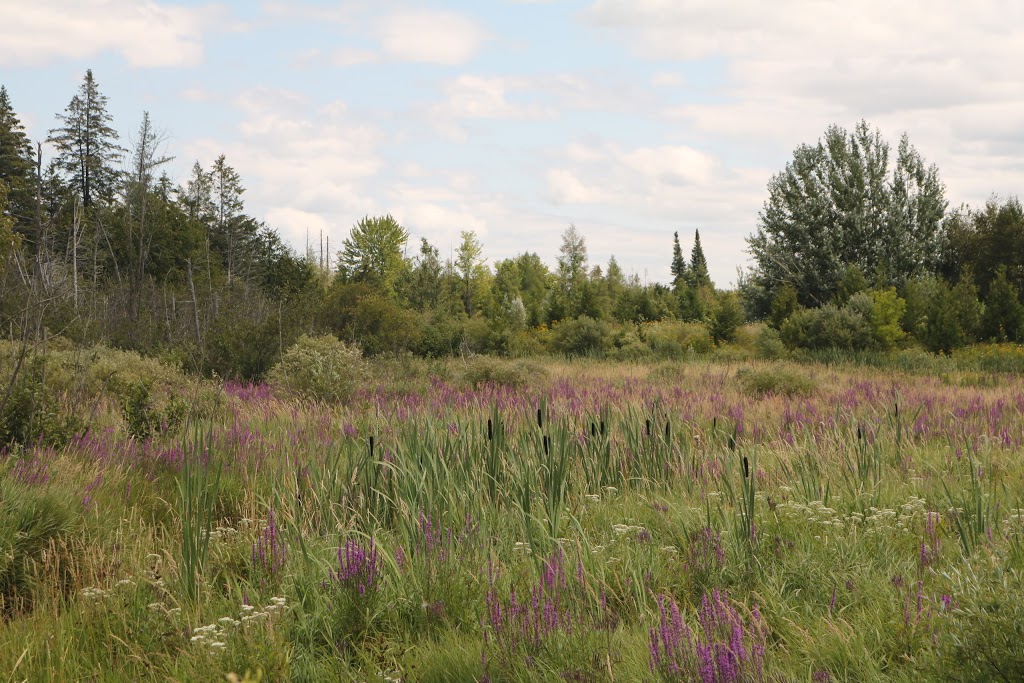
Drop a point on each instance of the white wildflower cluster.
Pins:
(391, 676)
(211, 635)
(521, 547)
(223, 533)
(623, 529)
(214, 635)
(250, 614)
(902, 519)
(815, 513)
(93, 593)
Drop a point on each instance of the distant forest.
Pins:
(855, 249)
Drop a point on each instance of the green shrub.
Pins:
(828, 327)
(769, 344)
(775, 380)
(726, 317)
(320, 368)
(582, 336)
(483, 370)
(34, 411)
(672, 339)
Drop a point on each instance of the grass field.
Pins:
(695, 521)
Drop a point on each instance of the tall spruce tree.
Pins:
(87, 149)
(678, 262)
(698, 272)
(16, 163)
(227, 192)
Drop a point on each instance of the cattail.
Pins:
(648, 427)
(540, 421)
(746, 467)
(545, 444)
(668, 430)
(371, 447)
(490, 430)
(602, 427)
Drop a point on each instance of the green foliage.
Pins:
(35, 410)
(726, 317)
(581, 336)
(769, 344)
(697, 274)
(982, 241)
(839, 203)
(775, 380)
(360, 314)
(373, 254)
(884, 312)
(481, 370)
(31, 522)
(852, 283)
(828, 327)
(198, 484)
(982, 638)
(320, 368)
(783, 305)
(673, 339)
(1004, 314)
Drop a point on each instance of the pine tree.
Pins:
(16, 162)
(698, 273)
(678, 262)
(227, 202)
(86, 144)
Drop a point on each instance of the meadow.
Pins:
(707, 520)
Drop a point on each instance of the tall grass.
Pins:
(534, 532)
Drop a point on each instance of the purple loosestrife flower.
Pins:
(269, 552)
(725, 650)
(358, 567)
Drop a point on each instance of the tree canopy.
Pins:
(839, 203)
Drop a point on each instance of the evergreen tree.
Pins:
(230, 227)
(679, 273)
(17, 161)
(86, 144)
(698, 272)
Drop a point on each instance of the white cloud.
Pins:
(430, 36)
(945, 72)
(478, 97)
(300, 161)
(145, 33)
(633, 198)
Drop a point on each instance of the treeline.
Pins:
(99, 245)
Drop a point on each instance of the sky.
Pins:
(632, 119)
